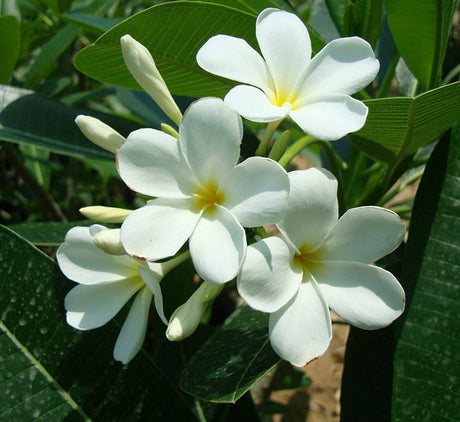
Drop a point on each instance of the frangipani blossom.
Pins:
(315, 93)
(200, 192)
(322, 262)
(105, 283)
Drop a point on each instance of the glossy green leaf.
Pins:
(420, 29)
(52, 371)
(402, 125)
(10, 45)
(233, 359)
(427, 369)
(28, 118)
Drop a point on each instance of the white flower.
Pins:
(322, 263)
(315, 93)
(201, 193)
(106, 283)
(99, 133)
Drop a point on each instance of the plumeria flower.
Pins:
(315, 93)
(322, 262)
(105, 283)
(200, 192)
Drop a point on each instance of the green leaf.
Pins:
(233, 359)
(49, 370)
(49, 53)
(400, 125)
(28, 118)
(10, 45)
(10, 7)
(420, 29)
(94, 24)
(427, 370)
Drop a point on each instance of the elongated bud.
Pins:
(186, 318)
(99, 133)
(109, 241)
(169, 130)
(105, 214)
(141, 65)
(280, 145)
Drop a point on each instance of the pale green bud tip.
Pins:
(109, 241)
(105, 214)
(142, 67)
(169, 130)
(186, 318)
(99, 133)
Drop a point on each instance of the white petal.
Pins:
(285, 45)
(149, 162)
(344, 66)
(159, 229)
(330, 117)
(152, 281)
(218, 246)
(366, 296)
(90, 307)
(233, 58)
(301, 330)
(363, 234)
(132, 333)
(82, 261)
(268, 279)
(312, 208)
(210, 135)
(256, 191)
(254, 105)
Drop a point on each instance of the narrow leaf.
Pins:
(10, 36)
(233, 359)
(426, 373)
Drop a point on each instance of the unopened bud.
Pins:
(105, 214)
(186, 318)
(169, 130)
(109, 241)
(141, 65)
(99, 133)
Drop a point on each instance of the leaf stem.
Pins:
(295, 148)
(263, 147)
(386, 83)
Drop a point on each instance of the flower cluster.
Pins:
(203, 195)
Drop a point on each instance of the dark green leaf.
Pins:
(94, 24)
(10, 7)
(49, 370)
(10, 37)
(420, 29)
(427, 369)
(233, 359)
(28, 118)
(402, 125)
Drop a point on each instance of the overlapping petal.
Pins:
(210, 136)
(254, 105)
(330, 117)
(312, 207)
(149, 162)
(233, 58)
(268, 280)
(343, 66)
(363, 234)
(218, 246)
(285, 44)
(256, 191)
(366, 296)
(132, 333)
(160, 228)
(301, 330)
(152, 281)
(82, 261)
(93, 306)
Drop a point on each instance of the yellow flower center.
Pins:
(306, 259)
(209, 196)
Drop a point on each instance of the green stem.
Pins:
(386, 83)
(295, 148)
(404, 184)
(174, 262)
(263, 147)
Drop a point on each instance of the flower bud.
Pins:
(99, 133)
(141, 65)
(186, 318)
(169, 130)
(109, 241)
(105, 214)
